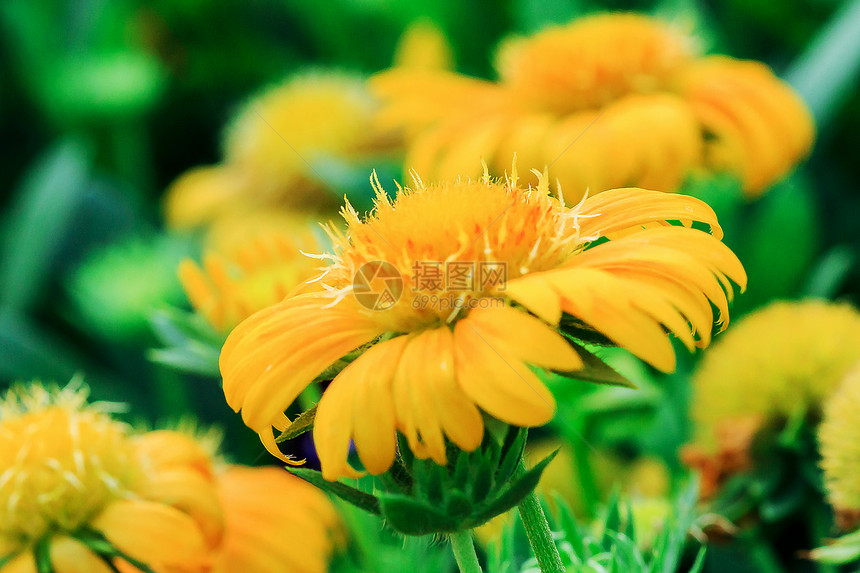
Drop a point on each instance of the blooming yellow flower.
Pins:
(271, 145)
(839, 435)
(252, 261)
(642, 108)
(434, 359)
(781, 360)
(275, 523)
(68, 468)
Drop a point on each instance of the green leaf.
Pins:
(843, 550)
(595, 370)
(99, 544)
(347, 493)
(410, 516)
(512, 452)
(303, 423)
(39, 221)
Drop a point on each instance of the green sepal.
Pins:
(303, 423)
(594, 369)
(6, 559)
(411, 516)
(347, 493)
(575, 329)
(512, 451)
(99, 545)
(515, 493)
(42, 555)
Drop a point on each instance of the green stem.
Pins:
(464, 552)
(585, 476)
(538, 531)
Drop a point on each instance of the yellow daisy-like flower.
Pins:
(838, 436)
(252, 261)
(434, 359)
(642, 108)
(273, 142)
(781, 360)
(275, 523)
(68, 468)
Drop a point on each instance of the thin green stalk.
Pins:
(538, 531)
(464, 552)
(585, 477)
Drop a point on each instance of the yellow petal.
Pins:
(358, 404)
(155, 534)
(71, 556)
(525, 337)
(499, 384)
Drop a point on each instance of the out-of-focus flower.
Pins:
(839, 436)
(72, 473)
(641, 107)
(437, 349)
(780, 361)
(272, 145)
(275, 523)
(87, 493)
(423, 46)
(109, 294)
(252, 261)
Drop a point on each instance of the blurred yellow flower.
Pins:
(252, 261)
(275, 523)
(435, 355)
(642, 108)
(780, 361)
(272, 144)
(69, 468)
(839, 436)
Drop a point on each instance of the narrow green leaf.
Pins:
(347, 493)
(512, 451)
(303, 423)
(99, 544)
(595, 370)
(42, 555)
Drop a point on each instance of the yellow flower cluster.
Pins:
(605, 101)
(839, 436)
(77, 481)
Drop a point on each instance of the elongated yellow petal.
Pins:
(358, 404)
(500, 384)
(525, 337)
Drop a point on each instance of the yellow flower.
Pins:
(252, 261)
(275, 523)
(781, 360)
(273, 142)
(838, 436)
(434, 359)
(631, 93)
(68, 469)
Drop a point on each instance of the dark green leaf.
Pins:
(512, 452)
(595, 370)
(410, 516)
(42, 555)
(514, 493)
(347, 493)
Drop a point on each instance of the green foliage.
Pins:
(615, 543)
(190, 343)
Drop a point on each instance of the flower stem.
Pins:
(464, 552)
(538, 531)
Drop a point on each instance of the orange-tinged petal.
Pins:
(155, 534)
(257, 528)
(499, 383)
(358, 404)
(536, 295)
